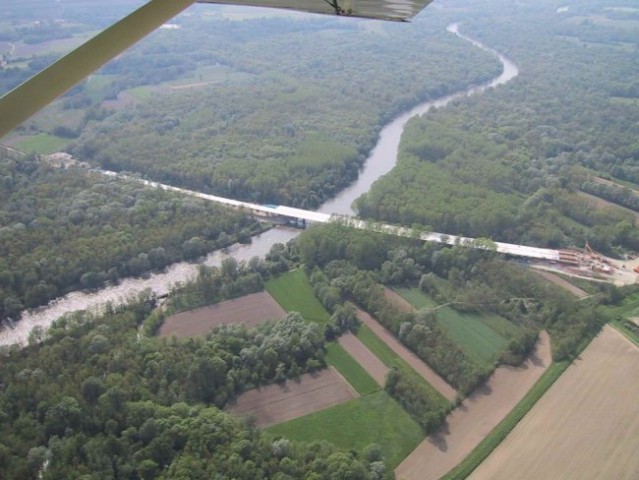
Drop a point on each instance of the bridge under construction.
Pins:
(585, 264)
(283, 212)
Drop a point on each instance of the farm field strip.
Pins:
(374, 418)
(249, 310)
(476, 417)
(309, 393)
(367, 359)
(586, 425)
(557, 280)
(415, 297)
(400, 302)
(473, 336)
(409, 357)
(338, 358)
(293, 292)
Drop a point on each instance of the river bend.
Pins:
(381, 160)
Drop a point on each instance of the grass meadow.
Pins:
(294, 294)
(350, 369)
(374, 418)
(41, 143)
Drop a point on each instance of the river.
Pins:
(381, 160)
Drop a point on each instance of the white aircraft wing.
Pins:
(397, 10)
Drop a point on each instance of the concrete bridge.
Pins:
(279, 211)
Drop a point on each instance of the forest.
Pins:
(508, 164)
(94, 400)
(61, 230)
(291, 124)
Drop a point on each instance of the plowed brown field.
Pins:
(585, 427)
(249, 310)
(469, 423)
(364, 357)
(295, 398)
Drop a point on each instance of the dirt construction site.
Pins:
(592, 265)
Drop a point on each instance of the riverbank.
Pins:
(381, 160)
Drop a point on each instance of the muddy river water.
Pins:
(381, 160)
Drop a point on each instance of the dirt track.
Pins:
(310, 393)
(585, 427)
(249, 310)
(469, 423)
(364, 357)
(557, 280)
(437, 382)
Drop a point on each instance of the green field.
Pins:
(627, 328)
(294, 294)
(471, 331)
(41, 143)
(141, 93)
(416, 297)
(391, 359)
(375, 418)
(629, 307)
(350, 369)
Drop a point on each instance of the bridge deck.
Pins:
(298, 213)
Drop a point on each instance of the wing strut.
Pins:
(36, 93)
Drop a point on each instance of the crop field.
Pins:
(364, 357)
(415, 297)
(629, 306)
(586, 426)
(397, 349)
(59, 46)
(350, 369)
(481, 336)
(476, 417)
(399, 301)
(293, 292)
(41, 143)
(375, 418)
(475, 333)
(309, 393)
(249, 310)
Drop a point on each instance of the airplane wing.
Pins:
(36, 93)
(396, 10)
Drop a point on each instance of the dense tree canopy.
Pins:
(291, 123)
(67, 229)
(95, 400)
(508, 164)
